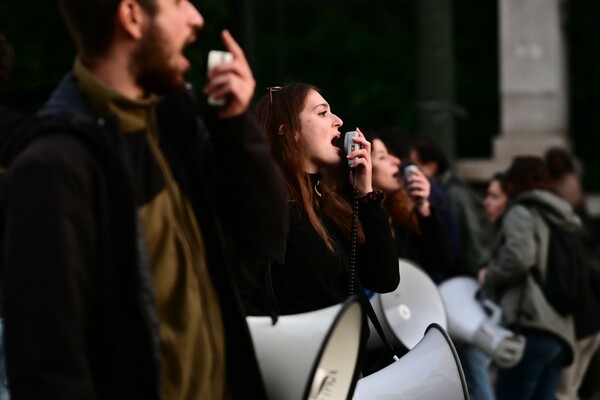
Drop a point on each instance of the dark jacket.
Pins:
(474, 230)
(430, 248)
(312, 277)
(81, 321)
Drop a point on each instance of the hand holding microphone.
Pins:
(230, 84)
(418, 188)
(358, 152)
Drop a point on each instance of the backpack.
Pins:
(566, 271)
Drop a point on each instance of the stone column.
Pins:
(532, 84)
(532, 75)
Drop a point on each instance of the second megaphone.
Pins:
(477, 322)
(431, 370)
(406, 312)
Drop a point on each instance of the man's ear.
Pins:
(132, 18)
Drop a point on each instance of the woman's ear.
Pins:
(132, 18)
(280, 129)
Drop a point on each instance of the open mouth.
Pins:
(334, 141)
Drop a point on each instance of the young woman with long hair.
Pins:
(316, 272)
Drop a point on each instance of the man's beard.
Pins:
(150, 64)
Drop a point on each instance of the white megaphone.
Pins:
(477, 322)
(405, 313)
(431, 370)
(312, 355)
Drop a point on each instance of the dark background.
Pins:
(362, 54)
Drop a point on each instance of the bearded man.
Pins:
(124, 223)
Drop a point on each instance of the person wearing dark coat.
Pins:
(123, 228)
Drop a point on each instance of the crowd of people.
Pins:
(137, 236)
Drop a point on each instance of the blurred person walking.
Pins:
(520, 252)
(565, 183)
(495, 200)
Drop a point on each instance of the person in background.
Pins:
(496, 199)
(469, 231)
(122, 225)
(520, 247)
(416, 226)
(494, 203)
(466, 207)
(316, 272)
(565, 183)
(564, 179)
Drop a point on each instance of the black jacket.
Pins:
(81, 321)
(312, 277)
(431, 248)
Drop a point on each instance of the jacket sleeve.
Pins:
(250, 184)
(379, 269)
(516, 252)
(48, 249)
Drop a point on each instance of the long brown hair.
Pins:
(279, 115)
(401, 211)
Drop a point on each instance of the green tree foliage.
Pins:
(362, 54)
(43, 49)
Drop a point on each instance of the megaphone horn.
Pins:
(431, 370)
(406, 312)
(312, 355)
(477, 322)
